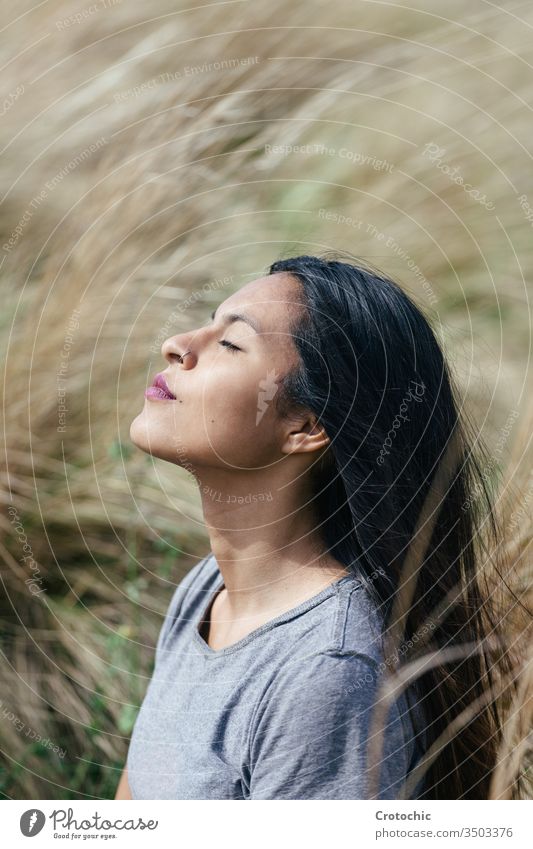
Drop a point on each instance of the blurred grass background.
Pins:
(140, 185)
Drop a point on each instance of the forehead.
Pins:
(272, 300)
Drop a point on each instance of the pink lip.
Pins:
(159, 389)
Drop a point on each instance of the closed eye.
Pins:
(229, 345)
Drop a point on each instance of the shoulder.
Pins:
(339, 661)
(321, 682)
(360, 624)
(317, 714)
(348, 623)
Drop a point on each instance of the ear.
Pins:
(305, 435)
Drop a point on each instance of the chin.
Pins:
(150, 439)
(140, 434)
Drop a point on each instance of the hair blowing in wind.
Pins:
(397, 511)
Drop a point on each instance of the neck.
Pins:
(264, 538)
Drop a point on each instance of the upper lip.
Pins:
(160, 381)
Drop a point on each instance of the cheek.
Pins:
(228, 401)
(237, 422)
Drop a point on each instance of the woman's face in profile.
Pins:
(223, 414)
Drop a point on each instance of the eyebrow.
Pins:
(229, 318)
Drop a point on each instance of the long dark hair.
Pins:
(373, 373)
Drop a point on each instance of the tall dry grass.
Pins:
(144, 192)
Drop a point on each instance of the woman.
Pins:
(343, 507)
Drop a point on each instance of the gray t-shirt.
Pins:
(283, 713)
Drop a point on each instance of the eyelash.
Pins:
(224, 342)
(229, 345)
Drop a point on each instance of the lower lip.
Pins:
(154, 392)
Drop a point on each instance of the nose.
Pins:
(175, 351)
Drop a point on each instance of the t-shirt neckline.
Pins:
(266, 626)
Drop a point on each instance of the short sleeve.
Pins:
(309, 732)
